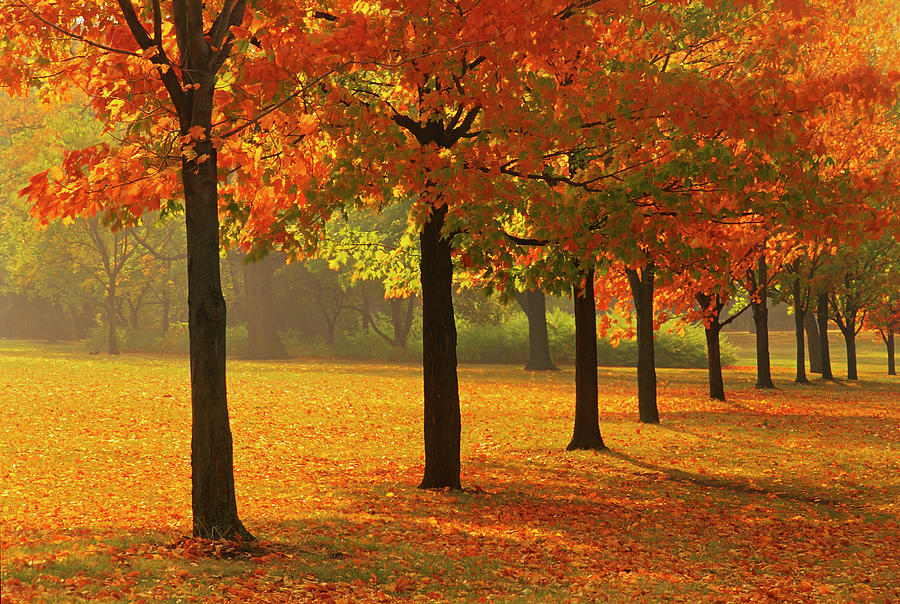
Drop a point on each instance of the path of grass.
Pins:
(788, 495)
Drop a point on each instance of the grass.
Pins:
(777, 495)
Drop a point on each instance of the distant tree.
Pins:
(534, 305)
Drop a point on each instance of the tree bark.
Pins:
(813, 342)
(822, 316)
(442, 423)
(263, 341)
(191, 92)
(642, 292)
(889, 344)
(586, 434)
(533, 303)
(761, 322)
(799, 314)
(712, 307)
(714, 362)
(850, 342)
(212, 477)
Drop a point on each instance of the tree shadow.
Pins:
(730, 484)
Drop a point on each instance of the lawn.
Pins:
(785, 495)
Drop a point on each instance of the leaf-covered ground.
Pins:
(788, 495)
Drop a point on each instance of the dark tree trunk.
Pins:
(191, 92)
(212, 477)
(642, 292)
(813, 342)
(822, 316)
(714, 362)
(401, 320)
(586, 434)
(112, 341)
(799, 314)
(534, 305)
(850, 341)
(263, 341)
(889, 344)
(712, 308)
(761, 322)
(442, 416)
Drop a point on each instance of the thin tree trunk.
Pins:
(533, 303)
(586, 434)
(401, 320)
(642, 292)
(263, 341)
(442, 423)
(761, 322)
(212, 477)
(889, 344)
(850, 341)
(112, 337)
(822, 316)
(813, 342)
(798, 333)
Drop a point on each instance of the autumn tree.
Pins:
(174, 82)
(534, 305)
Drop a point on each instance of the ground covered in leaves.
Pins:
(785, 495)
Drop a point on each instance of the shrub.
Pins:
(508, 343)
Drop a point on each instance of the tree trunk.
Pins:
(761, 322)
(813, 342)
(442, 416)
(212, 477)
(534, 305)
(134, 312)
(799, 314)
(263, 341)
(889, 343)
(822, 316)
(714, 361)
(112, 341)
(401, 320)
(586, 434)
(850, 341)
(642, 293)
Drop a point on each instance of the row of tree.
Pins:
(686, 147)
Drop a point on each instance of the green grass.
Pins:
(870, 350)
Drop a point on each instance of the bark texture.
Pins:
(714, 362)
(586, 434)
(642, 284)
(442, 416)
(212, 477)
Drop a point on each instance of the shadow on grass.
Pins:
(730, 484)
